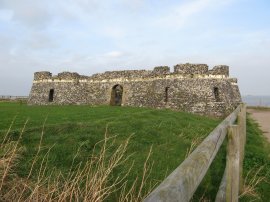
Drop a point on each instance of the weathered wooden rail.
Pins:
(11, 97)
(181, 184)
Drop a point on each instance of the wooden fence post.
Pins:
(241, 121)
(232, 168)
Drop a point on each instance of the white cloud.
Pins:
(39, 41)
(134, 4)
(182, 14)
(6, 14)
(31, 13)
(114, 54)
(113, 32)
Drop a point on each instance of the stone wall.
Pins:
(42, 75)
(191, 68)
(128, 74)
(207, 94)
(220, 70)
(160, 70)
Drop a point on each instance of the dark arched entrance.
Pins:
(116, 96)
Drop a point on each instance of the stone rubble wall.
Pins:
(142, 88)
(191, 68)
(68, 75)
(220, 70)
(160, 70)
(42, 75)
(128, 74)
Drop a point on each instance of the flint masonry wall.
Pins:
(191, 87)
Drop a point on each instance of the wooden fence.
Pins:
(182, 183)
(11, 97)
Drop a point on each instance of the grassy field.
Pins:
(71, 130)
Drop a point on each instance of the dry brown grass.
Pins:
(253, 178)
(87, 181)
(194, 143)
(259, 108)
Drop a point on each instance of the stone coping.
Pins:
(233, 80)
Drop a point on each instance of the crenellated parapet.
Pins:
(180, 70)
(45, 75)
(161, 70)
(128, 74)
(220, 70)
(191, 69)
(201, 69)
(68, 75)
(42, 75)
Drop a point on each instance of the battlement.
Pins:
(42, 75)
(191, 69)
(184, 70)
(45, 75)
(129, 74)
(161, 70)
(68, 75)
(220, 70)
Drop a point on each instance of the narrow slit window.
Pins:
(216, 94)
(51, 94)
(166, 94)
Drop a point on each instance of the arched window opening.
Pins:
(216, 94)
(166, 98)
(116, 95)
(51, 94)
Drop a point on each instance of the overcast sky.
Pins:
(91, 36)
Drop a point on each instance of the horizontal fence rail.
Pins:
(181, 184)
(11, 97)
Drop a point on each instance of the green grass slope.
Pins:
(69, 129)
(256, 164)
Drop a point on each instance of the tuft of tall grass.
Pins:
(194, 143)
(92, 180)
(253, 178)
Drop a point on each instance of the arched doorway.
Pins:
(116, 95)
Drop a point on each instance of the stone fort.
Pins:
(190, 87)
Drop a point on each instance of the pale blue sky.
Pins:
(90, 36)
